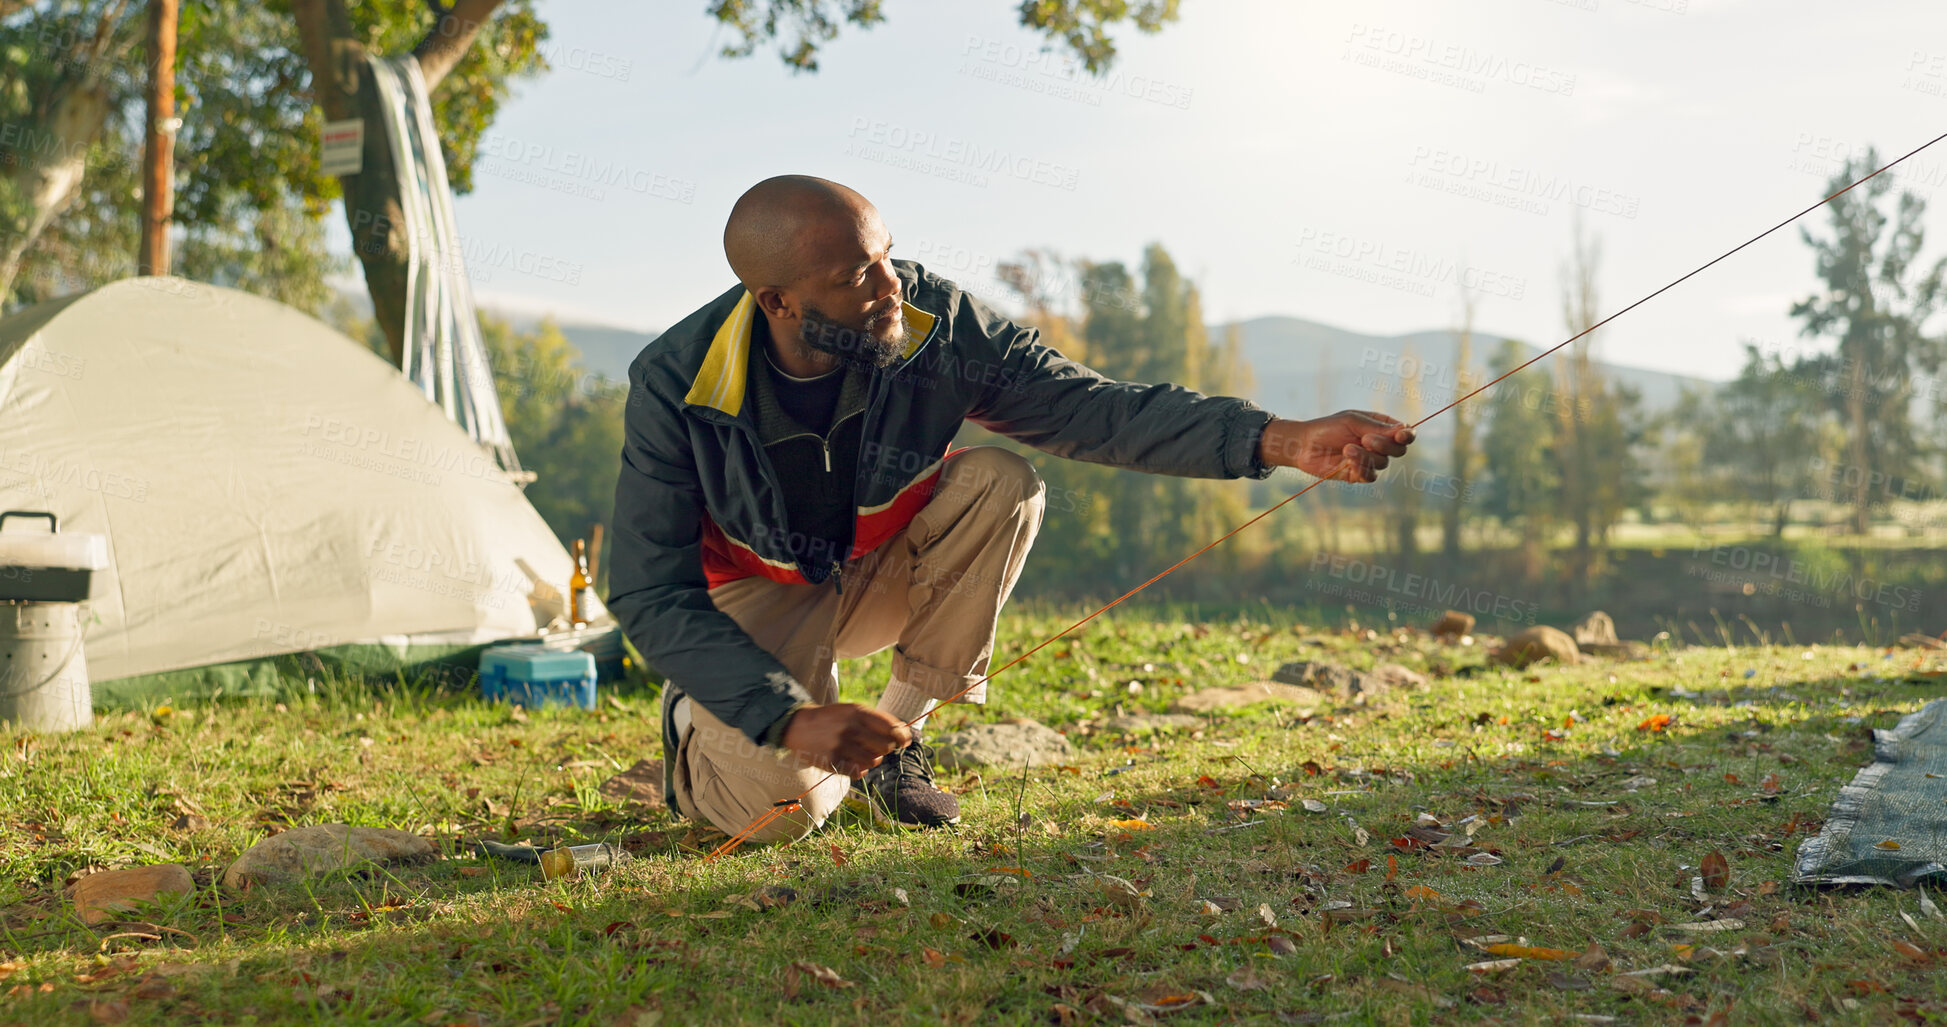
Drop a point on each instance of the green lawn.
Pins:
(1586, 831)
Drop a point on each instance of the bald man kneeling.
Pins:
(788, 498)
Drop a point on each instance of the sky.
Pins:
(1348, 162)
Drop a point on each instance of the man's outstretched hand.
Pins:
(1351, 445)
(845, 737)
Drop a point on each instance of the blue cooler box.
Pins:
(535, 676)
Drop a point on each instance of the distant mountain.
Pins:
(606, 350)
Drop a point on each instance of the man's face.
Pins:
(851, 306)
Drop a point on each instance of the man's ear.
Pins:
(774, 302)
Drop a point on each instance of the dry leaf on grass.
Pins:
(1716, 871)
(795, 974)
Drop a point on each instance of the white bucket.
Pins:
(43, 670)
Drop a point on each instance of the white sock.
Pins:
(907, 703)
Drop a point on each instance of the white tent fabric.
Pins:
(266, 484)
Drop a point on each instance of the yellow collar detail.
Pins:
(720, 381)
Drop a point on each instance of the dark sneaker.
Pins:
(901, 789)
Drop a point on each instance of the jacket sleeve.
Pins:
(657, 590)
(1031, 393)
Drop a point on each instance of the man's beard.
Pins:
(865, 344)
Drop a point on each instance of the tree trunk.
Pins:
(341, 87)
(56, 159)
(159, 142)
(1856, 415)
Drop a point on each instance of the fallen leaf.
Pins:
(1492, 966)
(1281, 945)
(1769, 785)
(1528, 952)
(1655, 723)
(1592, 958)
(1120, 891)
(1423, 893)
(824, 975)
(1710, 925)
(838, 856)
(1716, 871)
(1910, 950)
(934, 957)
(1133, 825)
(1889, 844)
(1313, 805)
(1246, 979)
(1484, 859)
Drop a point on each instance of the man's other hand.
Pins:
(845, 737)
(1351, 445)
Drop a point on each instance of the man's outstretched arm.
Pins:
(1035, 395)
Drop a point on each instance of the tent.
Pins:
(268, 487)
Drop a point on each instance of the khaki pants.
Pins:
(934, 592)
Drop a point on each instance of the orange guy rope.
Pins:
(791, 805)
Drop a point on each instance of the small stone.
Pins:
(1139, 722)
(642, 783)
(320, 849)
(1452, 625)
(1244, 695)
(1322, 676)
(1595, 629)
(1391, 675)
(1003, 745)
(1538, 643)
(103, 896)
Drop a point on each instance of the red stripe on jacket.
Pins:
(726, 559)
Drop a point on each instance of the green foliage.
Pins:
(250, 197)
(1758, 433)
(566, 423)
(1524, 468)
(1083, 27)
(1107, 529)
(1877, 302)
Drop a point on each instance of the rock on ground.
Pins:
(1595, 629)
(106, 895)
(642, 783)
(321, 848)
(1244, 695)
(1153, 722)
(1322, 676)
(1392, 675)
(1453, 624)
(1003, 745)
(1538, 643)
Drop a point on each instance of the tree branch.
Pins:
(447, 41)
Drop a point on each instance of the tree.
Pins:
(562, 417)
(1765, 423)
(1406, 499)
(1524, 483)
(250, 198)
(1461, 456)
(1596, 423)
(63, 72)
(1877, 303)
(1082, 27)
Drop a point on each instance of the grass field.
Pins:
(1282, 860)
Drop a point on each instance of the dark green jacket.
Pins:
(699, 503)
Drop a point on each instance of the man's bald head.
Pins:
(786, 228)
